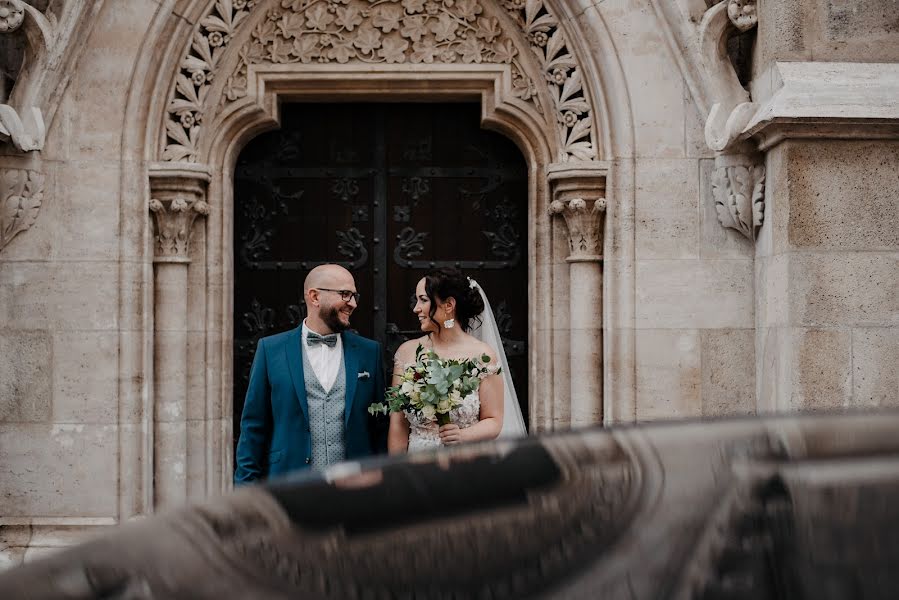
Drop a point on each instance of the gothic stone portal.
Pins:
(389, 191)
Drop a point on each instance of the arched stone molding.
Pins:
(235, 35)
(233, 123)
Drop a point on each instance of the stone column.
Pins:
(578, 197)
(177, 199)
(827, 256)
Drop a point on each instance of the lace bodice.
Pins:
(423, 433)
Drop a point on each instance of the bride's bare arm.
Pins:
(491, 416)
(491, 423)
(398, 433)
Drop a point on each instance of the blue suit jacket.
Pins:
(275, 435)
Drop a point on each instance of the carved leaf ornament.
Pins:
(739, 193)
(379, 31)
(21, 193)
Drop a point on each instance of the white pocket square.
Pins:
(363, 375)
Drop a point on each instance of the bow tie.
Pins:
(313, 339)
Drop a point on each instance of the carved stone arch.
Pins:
(189, 75)
(237, 39)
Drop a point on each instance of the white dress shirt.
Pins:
(325, 360)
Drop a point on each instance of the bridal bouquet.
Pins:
(434, 386)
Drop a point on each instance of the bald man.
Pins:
(310, 388)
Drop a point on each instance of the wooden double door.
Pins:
(389, 191)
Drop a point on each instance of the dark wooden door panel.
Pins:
(389, 191)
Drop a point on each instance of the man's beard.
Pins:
(332, 319)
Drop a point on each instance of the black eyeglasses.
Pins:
(345, 295)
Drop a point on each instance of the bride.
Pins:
(448, 305)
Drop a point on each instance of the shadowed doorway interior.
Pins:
(388, 191)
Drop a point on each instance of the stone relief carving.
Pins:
(732, 106)
(738, 181)
(738, 186)
(388, 31)
(584, 221)
(174, 219)
(743, 14)
(22, 125)
(21, 193)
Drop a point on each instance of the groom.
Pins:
(307, 402)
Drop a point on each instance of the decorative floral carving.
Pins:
(186, 110)
(384, 31)
(21, 193)
(584, 226)
(739, 191)
(390, 31)
(11, 16)
(174, 219)
(563, 76)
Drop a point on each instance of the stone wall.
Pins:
(827, 307)
(826, 30)
(827, 260)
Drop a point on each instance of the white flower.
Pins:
(407, 387)
(428, 411)
(443, 406)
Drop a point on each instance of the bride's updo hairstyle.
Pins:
(448, 282)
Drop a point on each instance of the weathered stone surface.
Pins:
(842, 195)
(668, 293)
(655, 87)
(85, 377)
(63, 295)
(875, 367)
(858, 289)
(669, 374)
(25, 370)
(821, 369)
(728, 371)
(56, 470)
(861, 19)
(666, 223)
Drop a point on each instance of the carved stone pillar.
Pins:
(579, 198)
(177, 199)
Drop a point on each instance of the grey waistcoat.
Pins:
(326, 412)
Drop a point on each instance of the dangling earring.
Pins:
(449, 323)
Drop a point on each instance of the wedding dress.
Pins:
(423, 432)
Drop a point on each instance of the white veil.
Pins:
(488, 332)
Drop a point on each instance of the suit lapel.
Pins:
(351, 366)
(295, 365)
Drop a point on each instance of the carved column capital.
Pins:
(178, 197)
(738, 186)
(21, 194)
(578, 193)
(584, 219)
